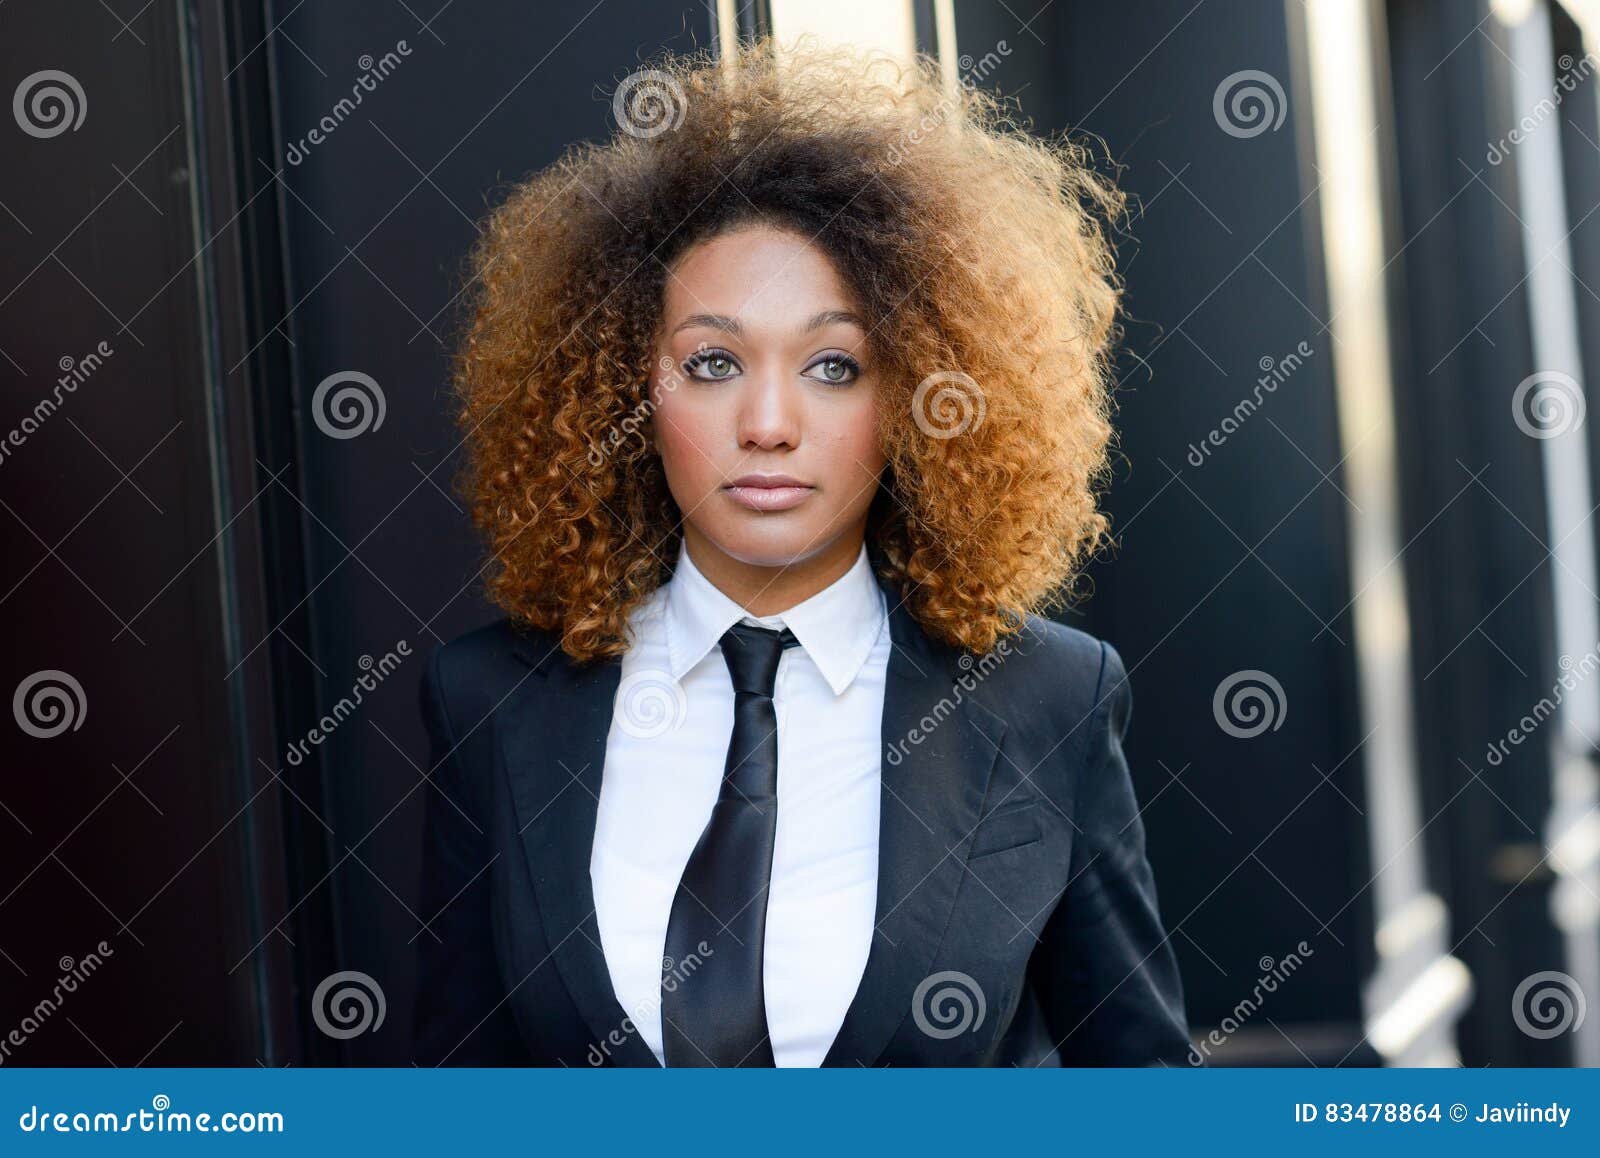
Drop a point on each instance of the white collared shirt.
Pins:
(665, 752)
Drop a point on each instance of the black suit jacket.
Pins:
(1015, 902)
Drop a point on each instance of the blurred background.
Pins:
(1356, 582)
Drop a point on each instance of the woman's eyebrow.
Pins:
(713, 322)
(833, 318)
(736, 327)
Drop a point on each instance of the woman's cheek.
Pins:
(688, 461)
(866, 455)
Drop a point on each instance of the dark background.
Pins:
(211, 568)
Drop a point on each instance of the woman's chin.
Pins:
(770, 541)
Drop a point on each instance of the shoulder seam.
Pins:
(1100, 680)
(444, 705)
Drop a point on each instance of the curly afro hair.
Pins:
(981, 265)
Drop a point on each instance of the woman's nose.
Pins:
(769, 410)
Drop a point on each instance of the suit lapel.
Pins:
(553, 741)
(939, 747)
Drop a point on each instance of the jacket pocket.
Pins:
(1009, 827)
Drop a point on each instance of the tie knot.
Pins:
(752, 653)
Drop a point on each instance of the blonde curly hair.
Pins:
(987, 281)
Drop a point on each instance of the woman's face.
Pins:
(767, 381)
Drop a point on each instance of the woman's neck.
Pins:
(763, 589)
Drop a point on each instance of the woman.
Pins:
(785, 410)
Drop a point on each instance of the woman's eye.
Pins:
(838, 370)
(718, 365)
(711, 366)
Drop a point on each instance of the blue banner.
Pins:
(821, 1112)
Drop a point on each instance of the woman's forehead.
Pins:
(756, 280)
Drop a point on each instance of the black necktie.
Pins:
(713, 1004)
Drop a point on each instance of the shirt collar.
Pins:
(837, 626)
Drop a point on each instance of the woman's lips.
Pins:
(769, 498)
